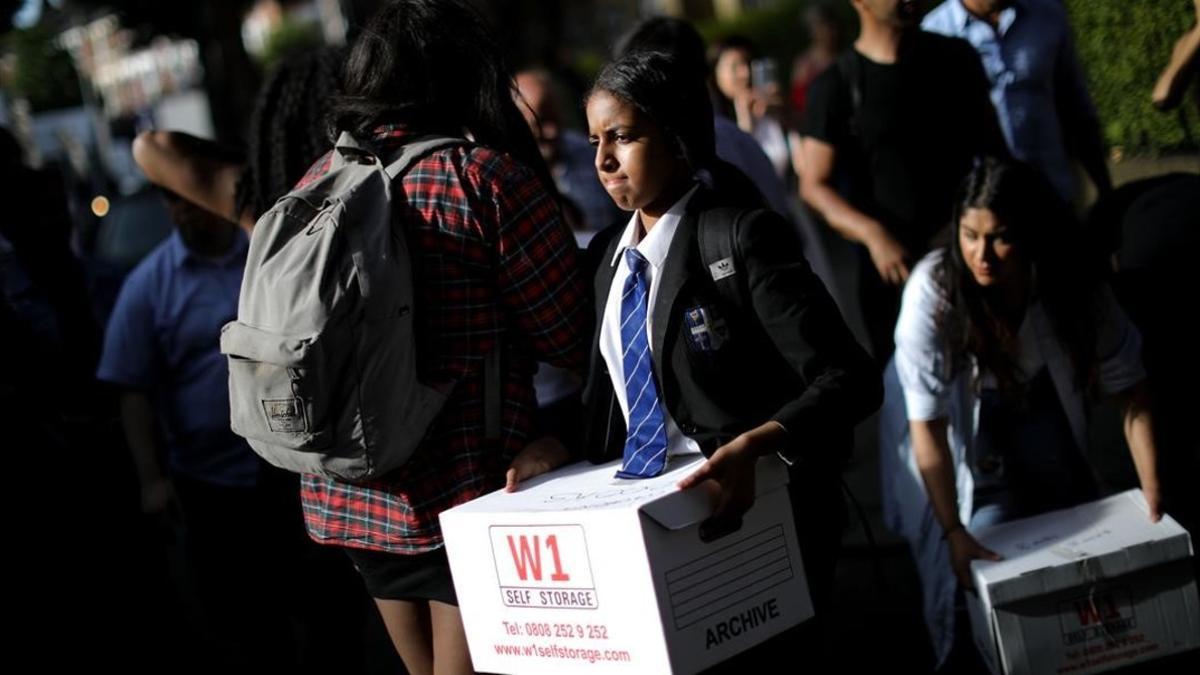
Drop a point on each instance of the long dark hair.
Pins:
(670, 92)
(434, 65)
(739, 42)
(289, 129)
(1042, 228)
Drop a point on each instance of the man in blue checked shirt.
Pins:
(1037, 86)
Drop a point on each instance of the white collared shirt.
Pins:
(653, 247)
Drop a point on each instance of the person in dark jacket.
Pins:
(679, 366)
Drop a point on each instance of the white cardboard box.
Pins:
(581, 571)
(1084, 590)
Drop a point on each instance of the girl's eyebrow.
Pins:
(621, 126)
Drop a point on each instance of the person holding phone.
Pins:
(746, 89)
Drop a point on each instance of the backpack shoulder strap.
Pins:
(416, 148)
(410, 153)
(717, 236)
(347, 146)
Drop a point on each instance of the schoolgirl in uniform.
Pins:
(738, 358)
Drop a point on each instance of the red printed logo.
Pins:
(1096, 610)
(527, 558)
(543, 566)
(1103, 614)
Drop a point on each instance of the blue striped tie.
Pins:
(646, 440)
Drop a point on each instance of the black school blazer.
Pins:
(784, 355)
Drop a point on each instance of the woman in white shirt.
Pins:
(1001, 336)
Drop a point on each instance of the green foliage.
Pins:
(588, 65)
(1123, 45)
(290, 36)
(41, 72)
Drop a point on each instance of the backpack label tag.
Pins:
(722, 268)
(285, 415)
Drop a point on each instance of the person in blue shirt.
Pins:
(1037, 86)
(161, 346)
(161, 351)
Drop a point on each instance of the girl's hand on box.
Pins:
(540, 456)
(732, 468)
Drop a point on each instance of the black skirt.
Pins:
(395, 576)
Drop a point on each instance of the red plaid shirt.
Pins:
(492, 261)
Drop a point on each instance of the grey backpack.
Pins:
(322, 357)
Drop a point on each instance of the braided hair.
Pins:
(289, 129)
